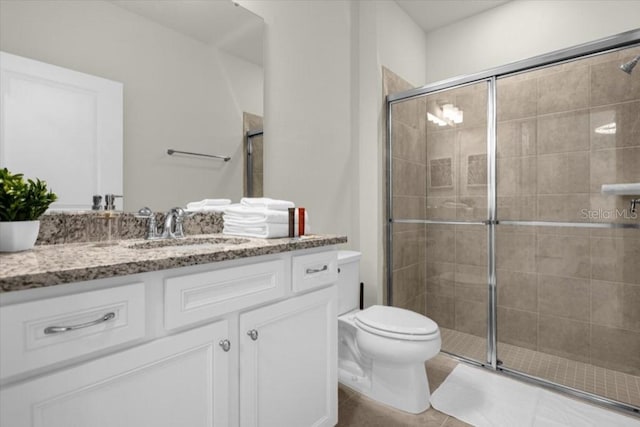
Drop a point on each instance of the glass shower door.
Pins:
(567, 255)
(439, 207)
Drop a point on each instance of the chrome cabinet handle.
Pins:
(253, 334)
(225, 344)
(58, 329)
(317, 270)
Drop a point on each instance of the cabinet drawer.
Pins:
(201, 296)
(314, 270)
(40, 333)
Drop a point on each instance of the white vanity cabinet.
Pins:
(228, 344)
(287, 369)
(180, 380)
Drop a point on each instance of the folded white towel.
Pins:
(246, 215)
(208, 202)
(265, 202)
(265, 231)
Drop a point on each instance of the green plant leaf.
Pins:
(22, 200)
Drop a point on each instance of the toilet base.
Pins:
(403, 387)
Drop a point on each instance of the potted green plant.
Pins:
(21, 204)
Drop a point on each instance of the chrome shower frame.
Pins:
(490, 77)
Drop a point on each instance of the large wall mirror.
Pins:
(189, 70)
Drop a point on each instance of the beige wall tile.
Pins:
(441, 208)
(564, 91)
(616, 349)
(471, 245)
(517, 290)
(471, 317)
(562, 255)
(559, 133)
(627, 126)
(515, 98)
(612, 166)
(563, 173)
(616, 305)
(563, 207)
(471, 283)
(393, 83)
(524, 208)
(417, 304)
(408, 178)
(517, 176)
(440, 244)
(472, 100)
(472, 159)
(615, 259)
(407, 144)
(516, 138)
(407, 207)
(564, 337)
(609, 85)
(518, 328)
(564, 297)
(441, 309)
(409, 282)
(441, 278)
(516, 251)
(409, 247)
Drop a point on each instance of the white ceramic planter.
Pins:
(18, 236)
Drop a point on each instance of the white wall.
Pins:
(178, 93)
(522, 29)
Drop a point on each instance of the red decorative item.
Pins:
(300, 222)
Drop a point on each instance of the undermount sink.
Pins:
(189, 241)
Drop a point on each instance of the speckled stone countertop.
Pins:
(48, 265)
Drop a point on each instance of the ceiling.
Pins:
(433, 14)
(218, 23)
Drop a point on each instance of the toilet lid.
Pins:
(396, 320)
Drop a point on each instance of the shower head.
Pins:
(627, 67)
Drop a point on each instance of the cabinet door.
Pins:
(182, 380)
(288, 363)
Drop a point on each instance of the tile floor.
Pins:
(582, 376)
(355, 410)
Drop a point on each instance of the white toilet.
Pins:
(382, 350)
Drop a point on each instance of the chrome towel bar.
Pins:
(171, 151)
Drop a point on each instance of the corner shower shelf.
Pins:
(629, 189)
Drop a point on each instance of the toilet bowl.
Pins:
(382, 350)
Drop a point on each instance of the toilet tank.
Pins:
(348, 281)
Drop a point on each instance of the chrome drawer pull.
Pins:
(317, 270)
(253, 334)
(58, 329)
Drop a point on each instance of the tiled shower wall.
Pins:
(409, 165)
(572, 292)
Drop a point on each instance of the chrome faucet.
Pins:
(173, 224)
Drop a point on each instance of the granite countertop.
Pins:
(48, 265)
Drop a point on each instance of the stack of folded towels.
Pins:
(259, 217)
(208, 205)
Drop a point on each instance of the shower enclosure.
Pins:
(498, 228)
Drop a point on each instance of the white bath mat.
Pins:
(486, 399)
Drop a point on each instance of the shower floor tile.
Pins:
(582, 376)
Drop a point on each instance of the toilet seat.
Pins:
(397, 323)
